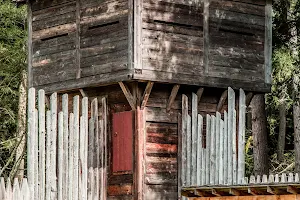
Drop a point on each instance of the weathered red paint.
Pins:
(122, 138)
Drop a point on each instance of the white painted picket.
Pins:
(219, 159)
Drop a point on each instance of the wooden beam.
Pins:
(249, 97)
(222, 100)
(128, 95)
(199, 94)
(274, 190)
(255, 191)
(218, 193)
(172, 96)
(83, 93)
(236, 192)
(201, 193)
(292, 190)
(146, 94)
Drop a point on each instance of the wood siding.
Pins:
(223, 42)
(78, 43)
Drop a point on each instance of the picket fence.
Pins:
(66, 151)
(216, 157)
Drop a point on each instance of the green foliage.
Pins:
(12, 61)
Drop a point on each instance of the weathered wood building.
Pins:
(142, 55)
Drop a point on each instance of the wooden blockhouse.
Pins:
(142, 55)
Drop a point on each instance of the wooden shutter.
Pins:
(122, 141)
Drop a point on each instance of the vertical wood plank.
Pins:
(97, 147)
(194, 142)
(65, 109)
(212, 150)
(60, 152)
(42, 145)
(16, 190)
(31, 138)
(184, 138)
(48, 156)
(71, 157)
(189, 152)
(9, 190)
(225, 145)
(105, 150)
(268, 41)
(36, 157)
(231, 107)
(221, 150)
(199, 174)
(76, 147)
(241, 136)
(207, 156)
(53, 106)
(140, 144)
(179, 156)
(85, 112)
(218, 119)
(91, 184)
(29, 44)
(25, 190)
(206, 35)
(2, 188)
(234, 151)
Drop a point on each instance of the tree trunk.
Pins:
(282, 131)
(21, 126)
(296, 116)
(259, 132)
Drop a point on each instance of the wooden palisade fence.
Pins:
(217, 156)
(66, 151)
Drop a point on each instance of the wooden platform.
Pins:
(261, 191)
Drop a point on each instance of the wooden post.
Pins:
(71, 157)
(53, 106)
(200, 169)
(221, 154)
(140, 157)
(212, 151)
(241, 138)
(76, 147)
(31, 138)
(60, 156)
(234, 150)
(225, 145)
(218, 153)
(231, 109)
(194, 139)
(65, 109)
(84, 137)
(189, 151)
(207, 156)
(42, 145)
(104, 149)
(48, 155)
(184, 138)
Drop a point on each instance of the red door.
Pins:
(122, 142)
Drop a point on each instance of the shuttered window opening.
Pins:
(122, 142)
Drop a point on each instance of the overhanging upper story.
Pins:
(84, 43)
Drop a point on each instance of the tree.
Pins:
(12, 63)
(259, 132)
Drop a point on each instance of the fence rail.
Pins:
(66, 151)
